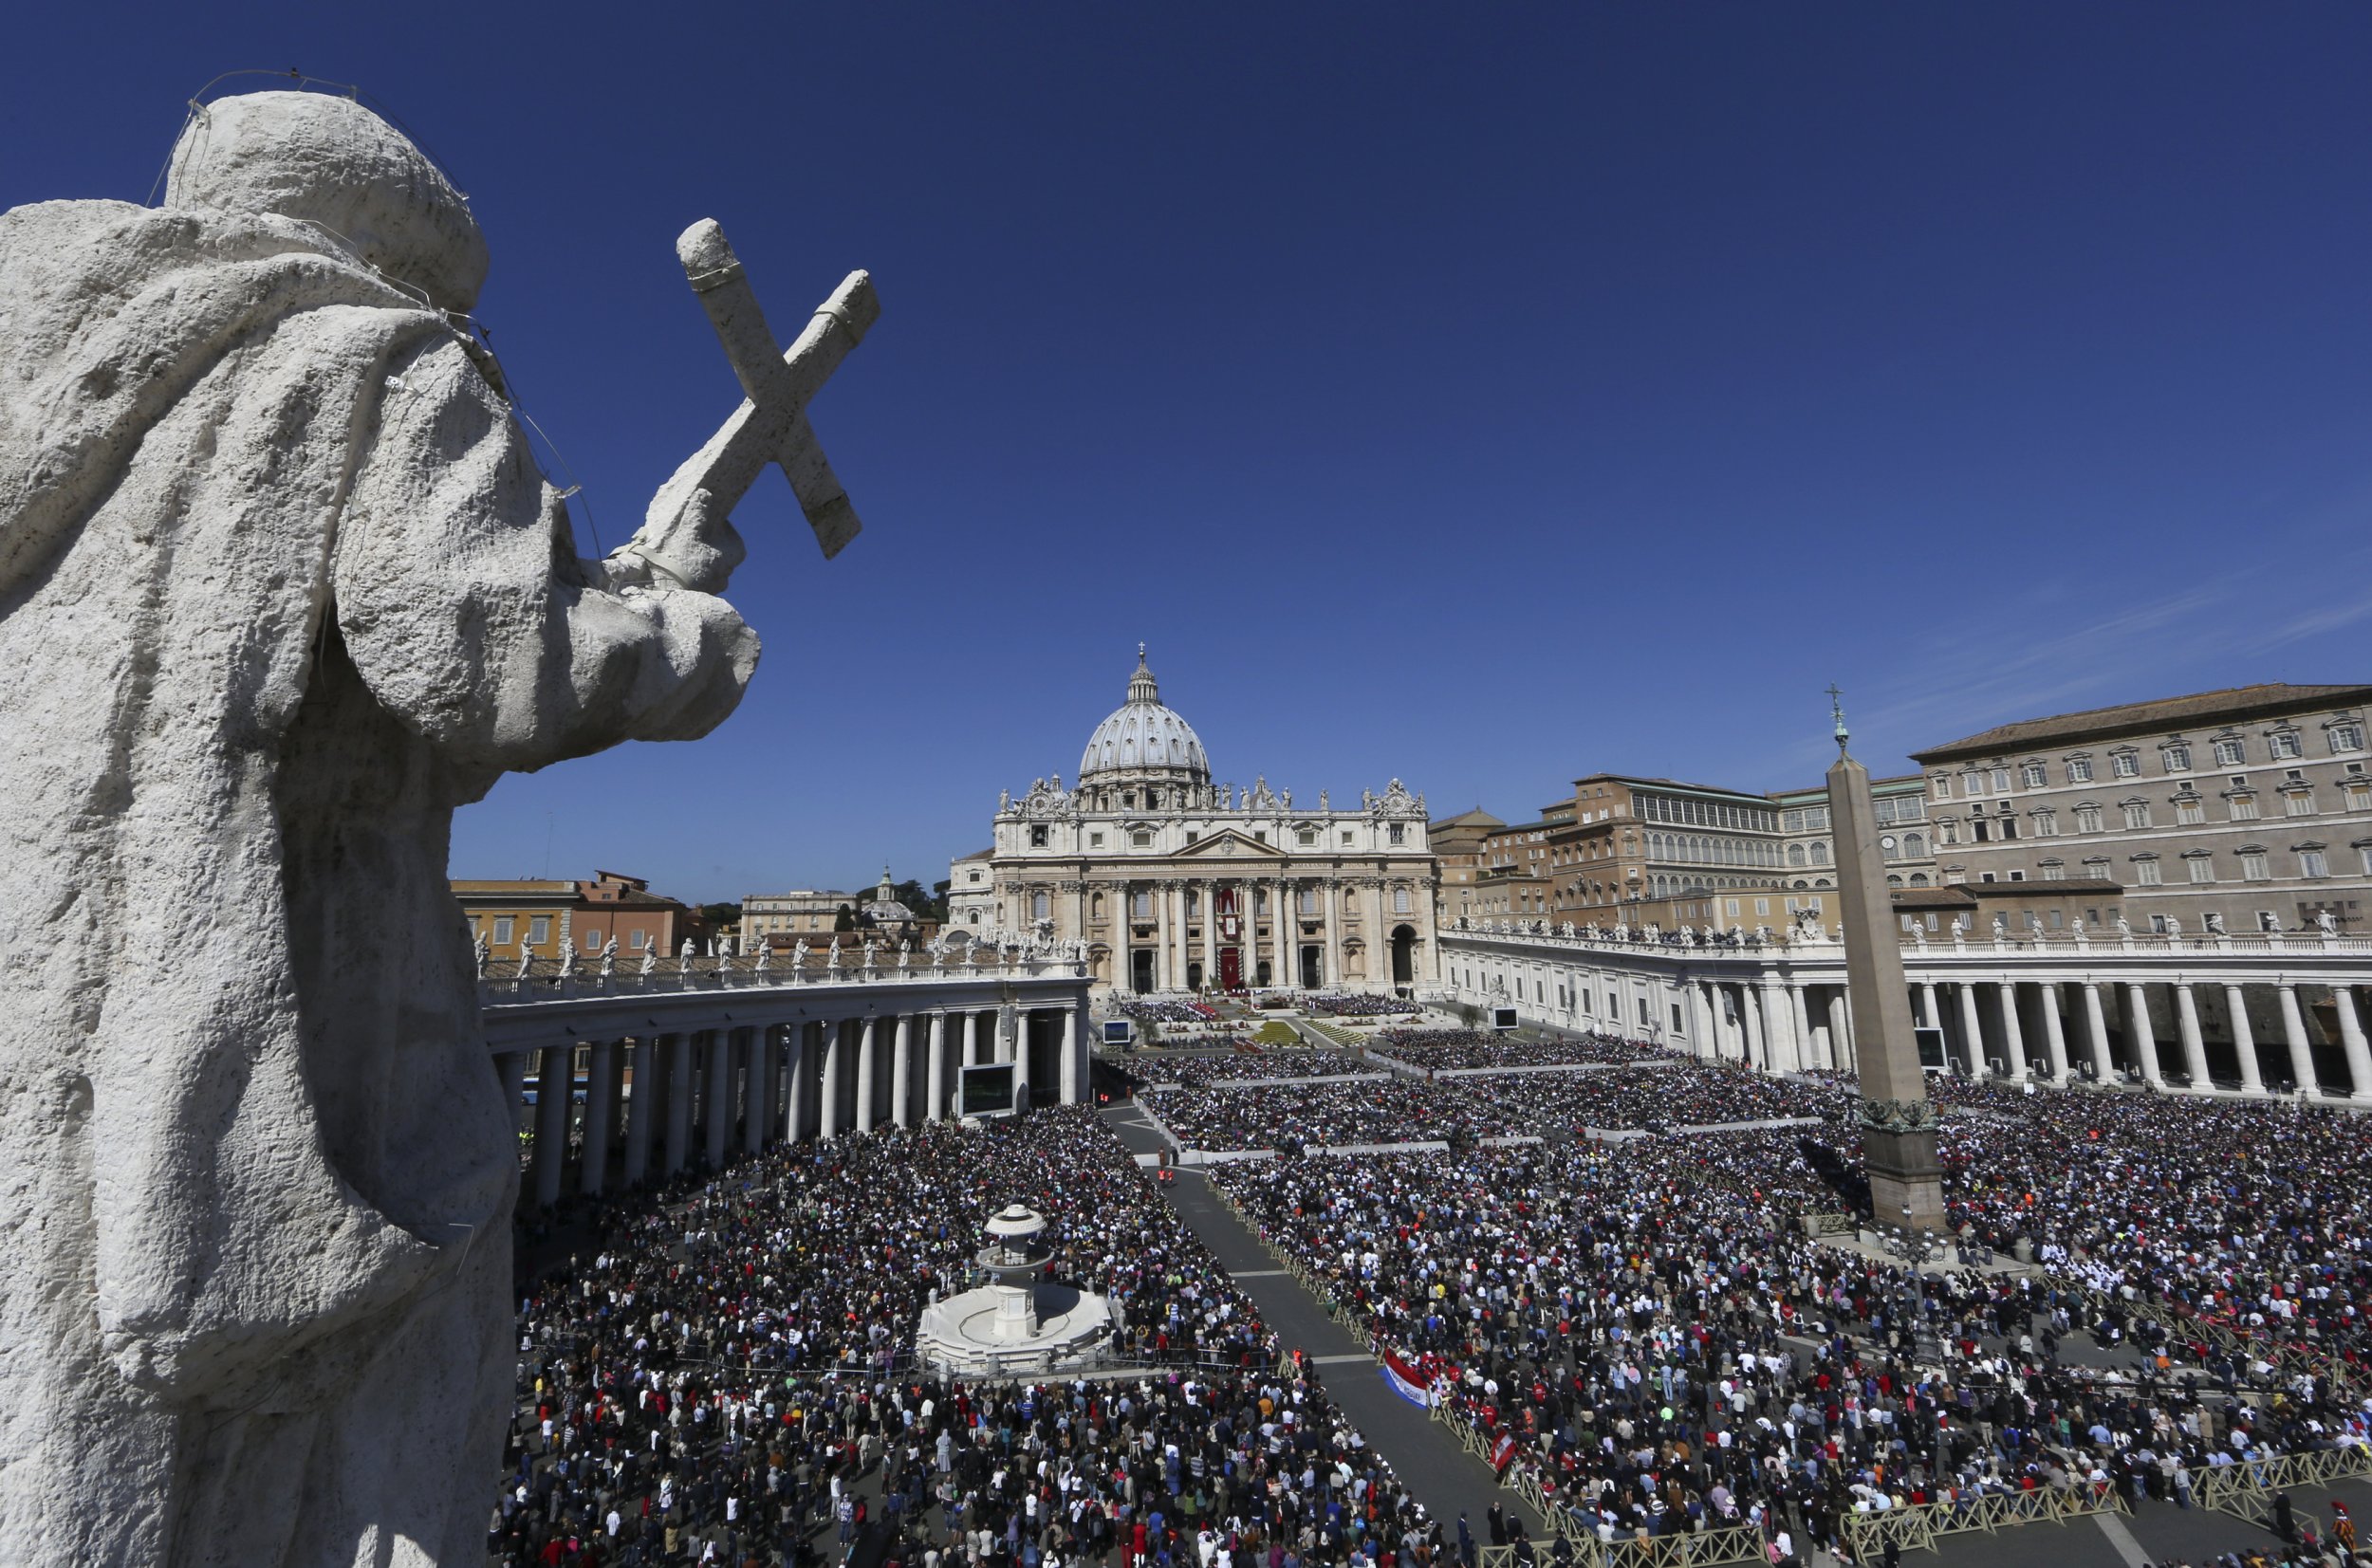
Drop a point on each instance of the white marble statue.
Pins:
(831, 960)
(650, 958)
(478, 952)
(905, 951)
(281, 586)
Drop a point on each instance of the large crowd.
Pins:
(1252, 1066)
(1670, 1352)
(1384, 1110)
(1358, 1005)
(1438, 1050)
(1152, 1010)
(729, 1379)
(1683, 1094)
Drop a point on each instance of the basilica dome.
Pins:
(1142, 739)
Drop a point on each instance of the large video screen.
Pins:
(1119, 1031)
(986, 1090)
(1503, 1019)
(1931, 1044)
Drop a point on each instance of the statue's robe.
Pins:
(280, 586)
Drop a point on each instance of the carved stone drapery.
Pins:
(1899, 1115)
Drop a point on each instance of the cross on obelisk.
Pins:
(1898, 1118)
(771, 426)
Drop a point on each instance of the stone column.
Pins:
(2244, 1039)
(2055, 1031)
(1180, 944)
(553, 1087)
(1800, 1013)
(863, 1119)
(1019, 1045)
(1934, 1016)
(1973, 1031)
(757, 1115)
(1070, 1053)
(972, 1038)
(1379, 939)
(1751, 1020)
(1842, 1045)
(795, 1083)
(678, 1049)
(1786, 1052)
(2294, 1028)
(716, 1095)
(902, 1072)
(2013, 1034)
(641, 1104)
(513, 1067)
(827, 1091)
(1210, 935)
(2194, 1046)
(1283, 934)
(2138, 1028)
(2096, 1031)
(1331, 966)
(601, 1101)
(935, 1077)
(2351, 1040)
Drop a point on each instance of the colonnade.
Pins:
(2173, 1019)
(625, 1109)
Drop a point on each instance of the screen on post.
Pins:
(986, 1090)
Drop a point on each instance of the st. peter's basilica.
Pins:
(1177, 884)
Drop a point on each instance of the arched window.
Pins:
(1039, 906)
(1918, 879)
(1795, 855)
(1819, 853)
(1893, 880)
(1913, 846)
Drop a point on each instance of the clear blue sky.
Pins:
(1483, 396)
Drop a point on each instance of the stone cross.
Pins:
(772, 425)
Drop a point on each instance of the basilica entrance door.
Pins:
(1140, 970)
(1231, 969)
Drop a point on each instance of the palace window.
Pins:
(1397, 833)
(1913, 846)
(1306, 838)
(2035, 776)
(2359, 792)
(1140, 903)
(2287, 744)
(1972, 781)
(539, 931)
(2145, 871)
(2078, 769)
(2253, 867)
(1346, 838)
(2244, 808)
(2046, 823)
(2096, 868)
(1399, 900)
(2125, 765)
(2136, 813)
(592, 941)
(1795, 855)
(1039, 906)
(2346, 737)
(1307, 901)
(505, 926)
(2310, 862)
(2177, 758)
(1143, 838)
(2230, 752)
(972, 878)
(2298, 802)
(2001, 781)
(2200, 864)
(2054, 871)
(2087, 818)
(1037, 837)
(1819, 853)
(2363, 848)
(1942, 785)
(1194, 835)
(1095, 840)
(2189, 811)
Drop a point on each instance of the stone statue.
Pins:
(868, 953)
(2124, 928)
(609, 958)
(281, 586)
(905, 951)
(1322, 802)
(650, 958)
(831, 960)
(765, 955)
(683, 958)
(479, 952)
(2001, 928)
(798, 957)
(2325, 923)
(2174, 927)
(2214, 923)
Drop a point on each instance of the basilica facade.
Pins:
(1175, 884)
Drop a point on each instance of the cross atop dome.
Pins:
(1141, 685)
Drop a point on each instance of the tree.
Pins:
(844, 918)
(717, 916)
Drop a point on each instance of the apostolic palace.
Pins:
(1175, 883)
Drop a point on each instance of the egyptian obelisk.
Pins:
(1898, 1118)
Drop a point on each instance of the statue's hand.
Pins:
(695, 547)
